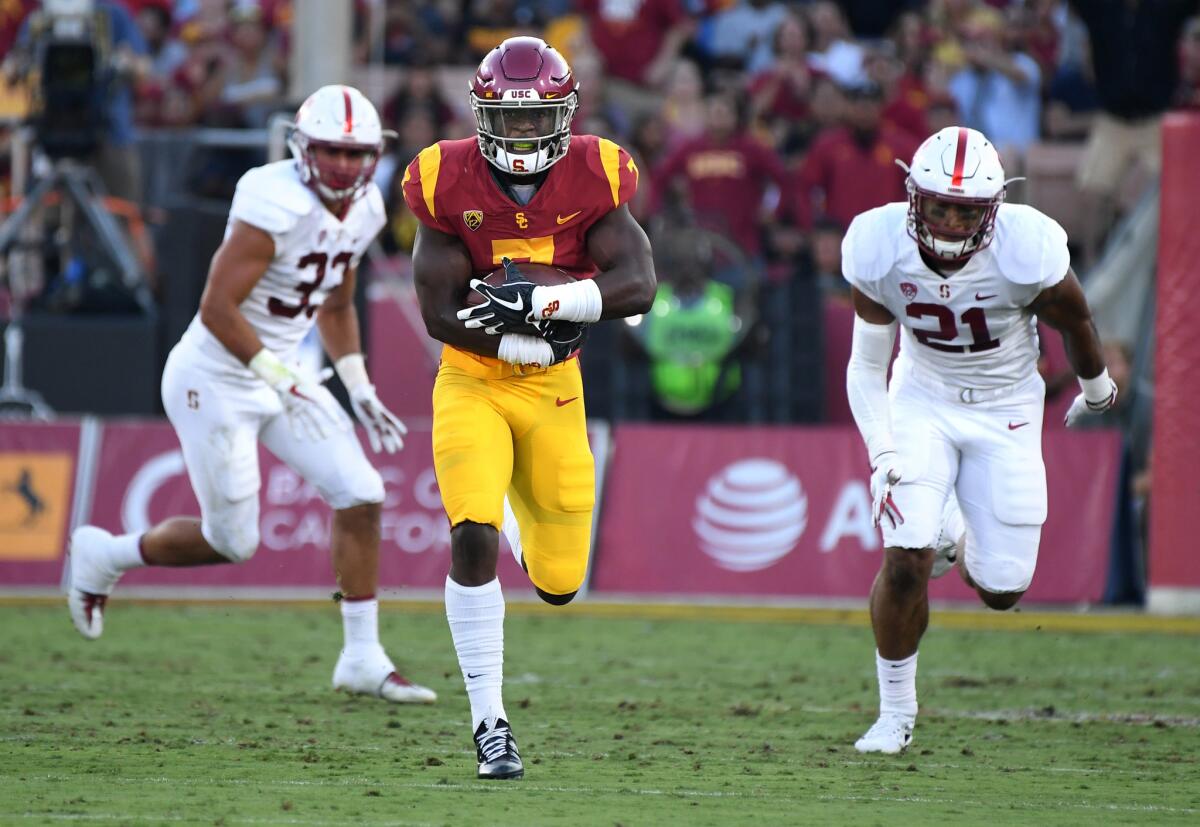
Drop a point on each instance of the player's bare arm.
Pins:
(236, 267)
(1065, 308)
(337, 319)
(870, 310)
(441, 275)
(619, 247)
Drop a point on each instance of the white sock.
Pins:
(125, 552)
(897, 684)
(360, 624)
(476, 617)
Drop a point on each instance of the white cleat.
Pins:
(891, 734)
(91, 580)
(373, 674)
(948, 543)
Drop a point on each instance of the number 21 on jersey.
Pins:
(947, 330)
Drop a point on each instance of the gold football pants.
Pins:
(497, 433)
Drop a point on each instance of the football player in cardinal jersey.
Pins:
(296, 232)
(508, 414)
(955, 442)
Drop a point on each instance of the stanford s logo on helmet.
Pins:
(955, 186)
(336, 116)
(524, 96)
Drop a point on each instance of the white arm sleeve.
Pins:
(866, 383)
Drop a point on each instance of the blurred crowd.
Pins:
(764, 125)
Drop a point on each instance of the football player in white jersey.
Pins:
(296, 232)
(957, 434)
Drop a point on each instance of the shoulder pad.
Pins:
(1030, 247)
(279, 184)
(869, 246)
(272, 198)
(609, 163)
(430, 179)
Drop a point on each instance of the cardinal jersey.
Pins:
(313, 251)
(498, 433)
(972, 329)
(450, 188)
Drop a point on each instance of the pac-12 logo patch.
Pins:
(473, 219)
(908, 289)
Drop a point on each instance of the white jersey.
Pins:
(972, 328)
(313, 251)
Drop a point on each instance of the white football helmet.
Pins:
(956, 167)
(336, 116)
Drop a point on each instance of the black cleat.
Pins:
(496, 750)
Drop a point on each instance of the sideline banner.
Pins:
(37, 481)
(142, 480)
(785, 512)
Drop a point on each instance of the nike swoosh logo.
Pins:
(472, 677)
(517, 305)
(564, 220)
(980, 298)
(561, 402)
(1013, 427)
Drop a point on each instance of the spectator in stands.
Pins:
(417, 33)
(999, 89)
(851, 168)
(638, 42)
(915, 89)
(779, 95)
(692, 332)
(1071, 98)
(1187, 96)
(725, 174)
(250, 73)
(683, 106)
(1135, 63)
(740, 36)
(418, 90)
(159, 100)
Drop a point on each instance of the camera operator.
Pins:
(87, 54)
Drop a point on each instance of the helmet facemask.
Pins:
(524, 137)
(331, 184)
(951, 228)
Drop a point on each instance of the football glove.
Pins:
(564, 337)
(311, 410)
(1082, 406)
(384, 430)
(884, 476)
(507, 308)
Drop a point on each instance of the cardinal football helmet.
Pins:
(956, 167)
(336, 116)
(524, 96)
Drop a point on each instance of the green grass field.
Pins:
(221, 714)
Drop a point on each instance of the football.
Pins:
(542, 274)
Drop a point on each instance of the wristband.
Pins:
(578, 301)
(519, 349)
(270, 368)
(1098, 389)
(352, 369)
